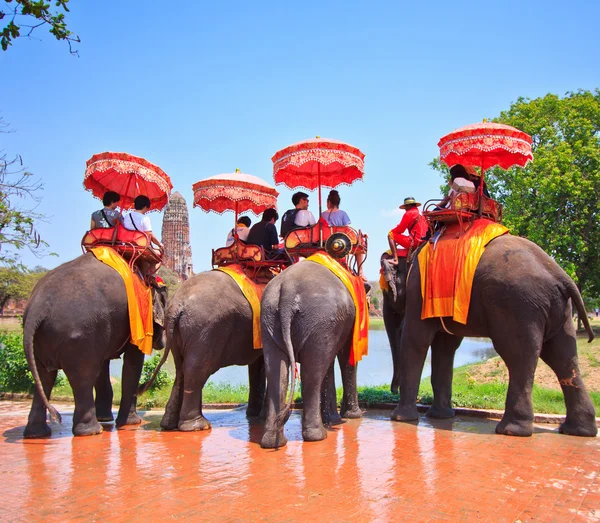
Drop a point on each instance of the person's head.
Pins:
(244, 220)
(460, 171)
(300, 200)
(270, 214)
(409, 203)
(110, 199)
(141, 203)
(333, 200)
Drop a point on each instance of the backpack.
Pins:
(287, 222)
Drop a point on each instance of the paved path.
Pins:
(366, 470)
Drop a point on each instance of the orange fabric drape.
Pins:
(253, 293)
(447, 271)
(356, 288)
(139, 298)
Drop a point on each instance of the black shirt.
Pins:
(263, 233)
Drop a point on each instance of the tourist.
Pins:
(264, 233)
(242, 229)
(460, 182)
(109, 216)
(333, 215)
(297, 217)
(137, 220)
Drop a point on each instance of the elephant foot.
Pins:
(169, 422)
(87, 429)
(314, 434)
(588, 430)
(253, 411)
(273, 439)
(355, 413)
(405, 413)
(37, 431)
(515, 428)
(440, 412)
(195, 424)
(332, 418)
(105, 418)
(131, 419)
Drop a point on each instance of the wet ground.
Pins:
(366, 470)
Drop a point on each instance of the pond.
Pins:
(374, 369)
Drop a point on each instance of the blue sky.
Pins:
(200, 88)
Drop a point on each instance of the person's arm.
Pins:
(92, 225)
(346, 218)
(311, 218)
(273, 238)
(392, 244)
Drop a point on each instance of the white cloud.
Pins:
(392, 212)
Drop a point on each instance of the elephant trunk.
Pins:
(145, 386)
(286, 334)
(29, 329)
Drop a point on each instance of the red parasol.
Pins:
(485, 145)
(238, 192)
(129, 176)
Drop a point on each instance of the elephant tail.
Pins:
(29, 328)
(286, 334)
(580, 306)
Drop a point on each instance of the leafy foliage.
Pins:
(554, 201)
(25, 16)
(163, 378)
(17, 284)
(171, 280)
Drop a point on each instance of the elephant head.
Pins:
(159, 305)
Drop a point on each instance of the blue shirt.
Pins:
(337, 218)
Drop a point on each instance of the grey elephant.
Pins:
(522, 300)
(76, 320)
(307, 316)
(209, 326)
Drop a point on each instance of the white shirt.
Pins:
(304, 218)
(142, 222)
(242, 232)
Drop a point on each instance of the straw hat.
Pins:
(408, 202)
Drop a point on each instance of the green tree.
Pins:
(555, 200)
(25, 16)
(16, 284)
(170, 278)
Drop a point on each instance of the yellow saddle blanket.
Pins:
(448, 269)
(139, 298)
(356, 288)
(253, 293)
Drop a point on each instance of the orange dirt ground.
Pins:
(366, 470)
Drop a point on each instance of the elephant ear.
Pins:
(159, 299)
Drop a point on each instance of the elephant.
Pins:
(307, 316)
(77, 320)
(209, 326)
(522, 300)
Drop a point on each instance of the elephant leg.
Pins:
(277, 383)
(350, 408)
(37, 427)
(393, 328)
(329, 412)
(312, 382)
(520, 353)
(194, 378)
(417, 336)
(560, 353)
(85, 422)
(133, 363)
(104, 394)
(170, 420)
(257, 382)
(443, 349)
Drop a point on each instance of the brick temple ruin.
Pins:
(176, 237)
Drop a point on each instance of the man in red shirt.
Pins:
(413, 223)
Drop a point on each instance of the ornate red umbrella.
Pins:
(485, 145)
(129, 176)
(238, 192)
(316, 163)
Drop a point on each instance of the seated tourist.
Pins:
(138, 221)
(264, 233)
(460, 181)
(333, 215)
(109, 216)
(297, 217)
(242, 229)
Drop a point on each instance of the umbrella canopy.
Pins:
(485, 145)
(238, 192)
(129, 176)
(318, 162)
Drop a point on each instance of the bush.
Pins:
(15, 375)
(163, 378)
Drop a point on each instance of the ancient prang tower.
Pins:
(176, 237)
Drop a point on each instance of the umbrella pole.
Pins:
(236, 220)
(320, 225)
(481, 189)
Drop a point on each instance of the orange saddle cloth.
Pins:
(448, 268)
